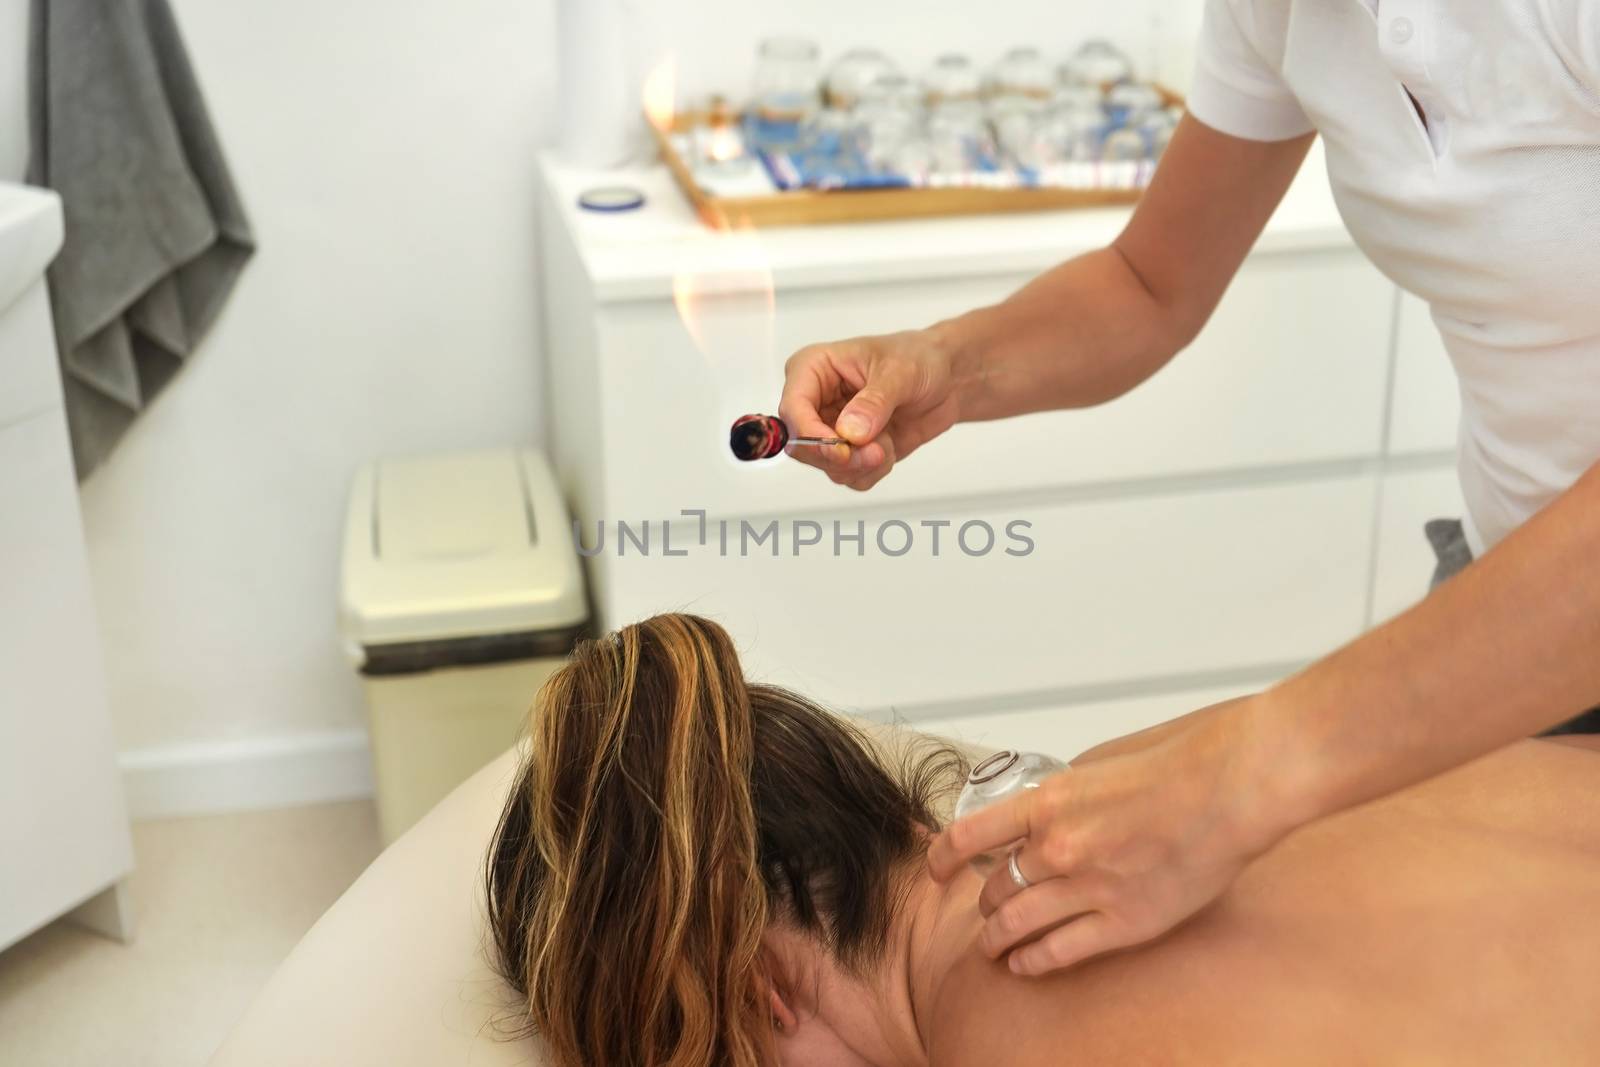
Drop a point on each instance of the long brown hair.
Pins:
(666, 812)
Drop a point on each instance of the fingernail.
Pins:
(853, 426)
(1015, 963)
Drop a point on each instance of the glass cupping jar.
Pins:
(1003, 775)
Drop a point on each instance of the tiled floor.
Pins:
(219, 902)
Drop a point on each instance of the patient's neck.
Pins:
(940, 923)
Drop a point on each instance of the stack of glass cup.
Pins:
(1085, 121)
(786, 100)
(891, 127)
(960, 137)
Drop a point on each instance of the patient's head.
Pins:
(686, 858)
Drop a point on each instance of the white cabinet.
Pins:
(1211, 530)
(1140, 587)
(64, 837)
(1278, 377)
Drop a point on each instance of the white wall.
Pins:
(386, 151)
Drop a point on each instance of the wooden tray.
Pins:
(804, 207)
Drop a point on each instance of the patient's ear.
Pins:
(778, 957)
(783, 1017)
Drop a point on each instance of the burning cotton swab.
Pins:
(764, 436)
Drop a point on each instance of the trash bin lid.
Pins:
(472, 544)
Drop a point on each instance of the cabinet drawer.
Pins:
(1290, 369)
(30, 379)
(1113, 590)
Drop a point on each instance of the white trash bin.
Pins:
(460, 593)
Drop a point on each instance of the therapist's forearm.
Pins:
(1098, 325)
(1506, 649)
(1080, 334)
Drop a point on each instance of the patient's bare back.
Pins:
(1455, 923)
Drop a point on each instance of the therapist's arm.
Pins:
(1096, 326)
(1083, 333)
(1147, 831)
(1507, 648)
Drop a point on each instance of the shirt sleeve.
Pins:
(1235, 89)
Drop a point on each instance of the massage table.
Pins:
(396, 972)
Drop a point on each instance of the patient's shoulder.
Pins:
(985, 1015)
(1136, 1005)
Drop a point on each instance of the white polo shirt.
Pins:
(1489, 210)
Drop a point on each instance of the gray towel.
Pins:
(155, 233)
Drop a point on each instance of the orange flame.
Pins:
(723, 290)
(661, 93)
(723, 144)
(726, 300)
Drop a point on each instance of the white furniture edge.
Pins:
(42, 234)
(33, 224)
(650, 249)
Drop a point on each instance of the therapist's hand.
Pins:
(1137, 836)
(886, 395)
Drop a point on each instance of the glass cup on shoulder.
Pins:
(1002, 776)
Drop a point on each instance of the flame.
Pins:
(723, 143)
(726, 303)
(723, 288)
(660, 95)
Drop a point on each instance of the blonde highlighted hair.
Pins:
(665, 814)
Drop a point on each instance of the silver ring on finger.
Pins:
(1020, 879)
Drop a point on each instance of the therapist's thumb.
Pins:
(870, 410)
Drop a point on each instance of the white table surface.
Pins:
(636, 254)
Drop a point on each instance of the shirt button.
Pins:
(1400, 30)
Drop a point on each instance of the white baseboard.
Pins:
(247, 775)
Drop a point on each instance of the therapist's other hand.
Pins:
(1137, 836)
(886, 395)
